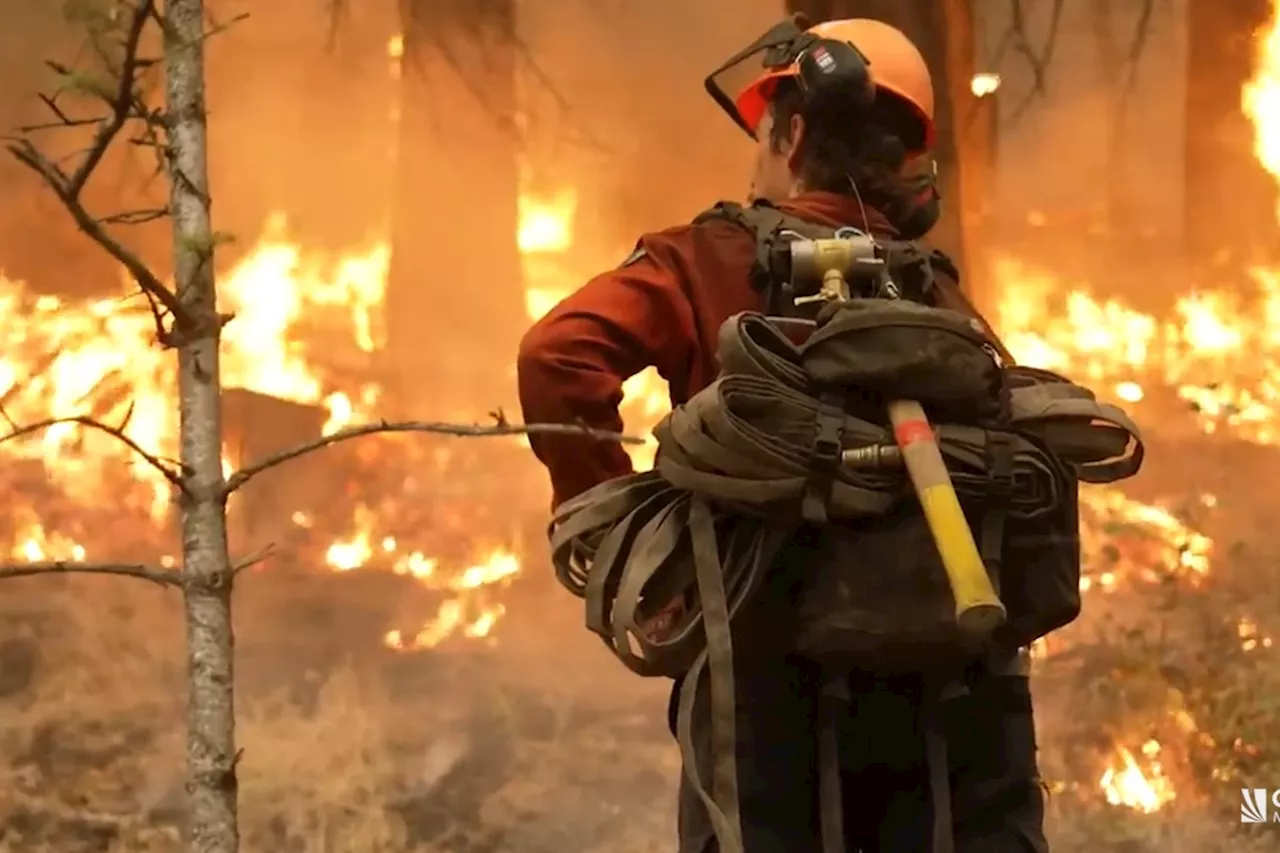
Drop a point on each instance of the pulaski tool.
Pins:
(832, 263)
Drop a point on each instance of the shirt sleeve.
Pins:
(573, 362)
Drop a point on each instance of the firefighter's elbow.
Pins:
(539, 350)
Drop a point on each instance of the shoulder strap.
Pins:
(767, 225)
(911, 264)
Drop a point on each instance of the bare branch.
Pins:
(254, 559)
(1138, 40)
(168, 468)
(337, 13)
(501, 428)
(136, 217)
(162, 577)
(1019, 39)
(57, 180)
(124, 104)
(61, 123)
(120, 104)
(169, 578)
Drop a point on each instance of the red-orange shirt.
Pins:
(663, 308)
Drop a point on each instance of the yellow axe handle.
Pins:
(978, 608)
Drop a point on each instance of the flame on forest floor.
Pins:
(304, 324)
(303, 320)
(60, 360)
(1137, 784)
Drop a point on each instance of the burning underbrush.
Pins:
(504, 725)
(408, 683)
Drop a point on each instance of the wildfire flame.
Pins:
(61, 359)
(1216, 353)
(1128, 784)
(552, 272)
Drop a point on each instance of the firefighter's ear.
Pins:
(795, 137)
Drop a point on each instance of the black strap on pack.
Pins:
(999, 454)
(911, 265)
(768, 226)
(999, 491)
(824, 458)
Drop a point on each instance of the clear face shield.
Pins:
(774, 51)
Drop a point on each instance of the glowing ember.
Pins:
(1250, 637)
(984, 84)
(1128, 784)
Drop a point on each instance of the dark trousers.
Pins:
(997, 800)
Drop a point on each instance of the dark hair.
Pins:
(839, 145)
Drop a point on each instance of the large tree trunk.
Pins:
(972, 133)
(455, 301)
(1230, 199)
(944, 32)
(207, 576)
(1112, 70)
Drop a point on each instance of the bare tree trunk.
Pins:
(187, 320)
(973, 135)
(211, 752)
(944, 34)
(1230, 199)
(1111, 68)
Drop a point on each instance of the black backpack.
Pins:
(872, 594)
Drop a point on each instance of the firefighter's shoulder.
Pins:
(661, 248)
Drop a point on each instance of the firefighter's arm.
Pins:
(573, 362)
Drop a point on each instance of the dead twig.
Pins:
(58, 180)
(168, 468)
(168, 578)
(1038, 62)
(1017, 38)
(136, 217)
(123, 104)
(1138, 41)
(498, 429)
(253, 559)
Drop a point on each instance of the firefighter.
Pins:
(834, 152)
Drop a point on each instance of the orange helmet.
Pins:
(898, 71)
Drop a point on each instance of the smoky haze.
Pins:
(1090, 179)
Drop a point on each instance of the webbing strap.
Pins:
(933, 727)
(833, 702)
(995, 511)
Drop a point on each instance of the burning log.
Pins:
(257, 425)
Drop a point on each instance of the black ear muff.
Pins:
(834, 75)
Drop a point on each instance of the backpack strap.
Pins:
(767, 225)
(911, 265)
